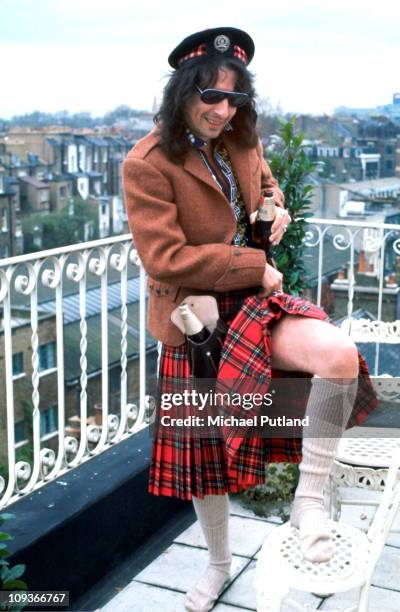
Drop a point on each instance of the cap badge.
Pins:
(222, 43)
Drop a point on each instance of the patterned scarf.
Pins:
(234, 194)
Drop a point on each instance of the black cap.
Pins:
(230, 42)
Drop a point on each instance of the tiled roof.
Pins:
(72, 338)
(333, 260)
(32, 180)
(373, 184)
(99, 142)
(7, 192)
(54, 142)
(70, 303)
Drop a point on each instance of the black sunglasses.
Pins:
(215, 96)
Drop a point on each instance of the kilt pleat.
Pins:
(185, 465)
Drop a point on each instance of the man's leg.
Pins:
(319, 348)
(213, 514)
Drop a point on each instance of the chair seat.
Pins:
(369, 452)
(281, 558)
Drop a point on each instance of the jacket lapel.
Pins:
(240, 159)
(195, 165)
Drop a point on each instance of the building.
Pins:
(47, 352)
(357, 198)
(43, 169)
(10, 226)
(64, 152)
(34, 195)
(358, 162)
(22, 376)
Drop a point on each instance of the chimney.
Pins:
(391, 281)
(362, 263)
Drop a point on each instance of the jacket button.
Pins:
(236, 252)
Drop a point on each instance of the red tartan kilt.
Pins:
(182, 466)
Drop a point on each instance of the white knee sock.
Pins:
(213, 515)
(329, 408)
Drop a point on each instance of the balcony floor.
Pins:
(162, 584)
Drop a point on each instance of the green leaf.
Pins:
(16, 571)
(5, 536)
(14, 584)
(4, 572)
(5, 516)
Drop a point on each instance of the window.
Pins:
(48, 420)
(47, 356)
(19, 431)
(18, 364)
(115, 379)
(63, 192)
(4, 220)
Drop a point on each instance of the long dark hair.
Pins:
(203, 71)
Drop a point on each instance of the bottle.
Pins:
(194, 328)
(261, 230)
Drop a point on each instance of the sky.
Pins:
(94, 55)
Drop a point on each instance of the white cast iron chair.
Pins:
(363, 461)
(281, 566)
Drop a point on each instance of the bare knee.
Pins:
(342, 361)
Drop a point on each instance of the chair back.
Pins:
(365, 330)
(388, 508)
(386, 386)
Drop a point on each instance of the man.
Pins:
(192, 186)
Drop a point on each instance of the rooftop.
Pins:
(32, 180)
(163, 583)
(373, 184)
(87, 489)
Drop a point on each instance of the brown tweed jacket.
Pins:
(182, 226)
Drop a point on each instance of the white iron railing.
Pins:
(375, 240)
(24, 277)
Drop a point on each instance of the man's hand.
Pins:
(278, 228)
(279, 197)
(271, 281)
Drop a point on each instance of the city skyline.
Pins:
(310, 58)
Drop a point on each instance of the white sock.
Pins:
(213, 515)
(329, 407)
